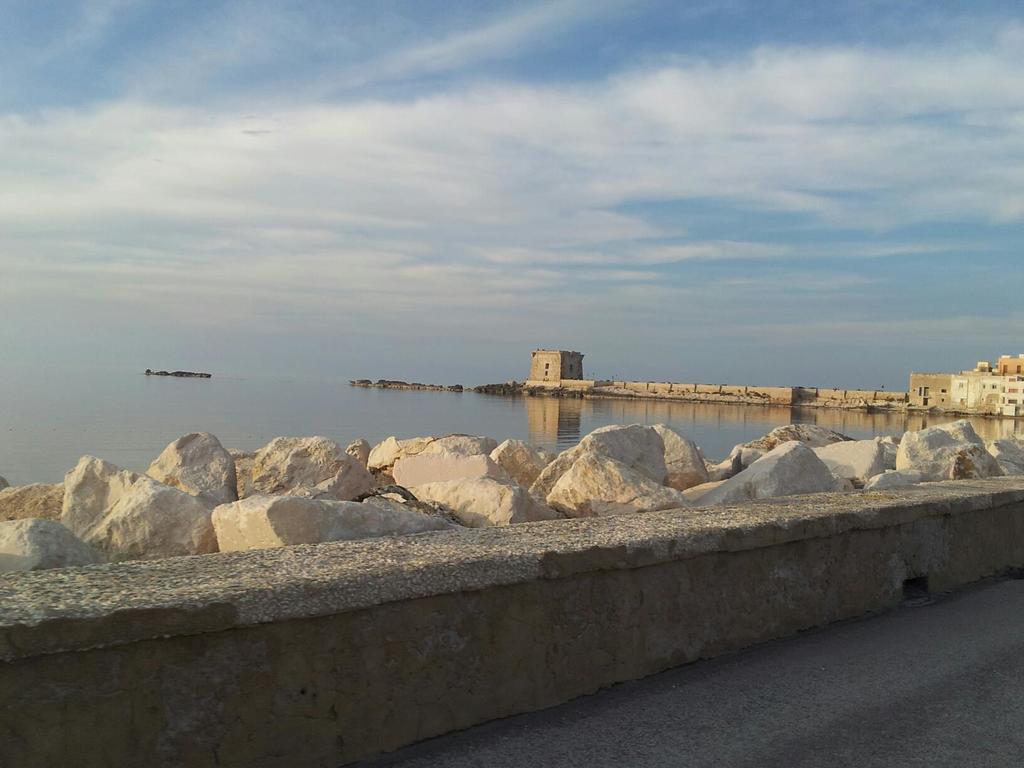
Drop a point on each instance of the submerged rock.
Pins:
(128, 516)
(31, 545)
(261, 522)
(199, 465)
(947, 452)
(41, 500)
(790, 469)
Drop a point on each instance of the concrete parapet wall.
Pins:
(323, 654)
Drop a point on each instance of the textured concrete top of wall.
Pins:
(69, 609)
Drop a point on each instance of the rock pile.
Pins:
(198, 497)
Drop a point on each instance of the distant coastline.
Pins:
(180, 374)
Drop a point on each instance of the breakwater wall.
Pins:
(323, 654)
(810, 397)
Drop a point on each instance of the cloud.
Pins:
(522, 206)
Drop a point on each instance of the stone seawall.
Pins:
(739, 394)
(324, 654)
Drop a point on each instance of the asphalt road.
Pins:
(934, 685)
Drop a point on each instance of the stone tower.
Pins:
(555, 365)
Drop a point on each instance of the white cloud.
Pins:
(497, 199)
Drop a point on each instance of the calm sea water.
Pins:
(49, 419)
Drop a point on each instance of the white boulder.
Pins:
(1008, 452)
(312, 466)
(387, 452)
(636, 446)
(261, 522)
(855, 460)
(947, 452)
(683, 462)
(128, 516)
(197, 464)
(463, 445)
(484, 501)
(359, 450)
(892, 478)
(31, 545)
(521, 461)
(790, 469)
(891, 446)
(441, 466)
(695, 495)
(41, 500)
(810, 434)
(596, 485)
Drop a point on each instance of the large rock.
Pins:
(311, 466)
(359, 450)
(198, 464)
(723, 470)
(243, 471)
(891, 446)
(790, 469)
(484, 501)
(439, 467)
(596, 486)
(128, 516)
(260, 522)
(462, 445)
(1008, 453)
(522, 461)
(695, 495)
(636, 446)
(810, 434)
(683, 462)
(893, 479)
(947, 452)
(855, 460)
(31, 545)
(386, 453)
(41, 500)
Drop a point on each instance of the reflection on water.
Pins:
(558, 423)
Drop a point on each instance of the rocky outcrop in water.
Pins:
(415, 385)
(180, 374)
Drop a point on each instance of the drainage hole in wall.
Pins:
(915, 591)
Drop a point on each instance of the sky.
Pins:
(762, 192)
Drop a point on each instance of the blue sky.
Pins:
(763, 192)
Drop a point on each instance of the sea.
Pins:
(49, 419)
